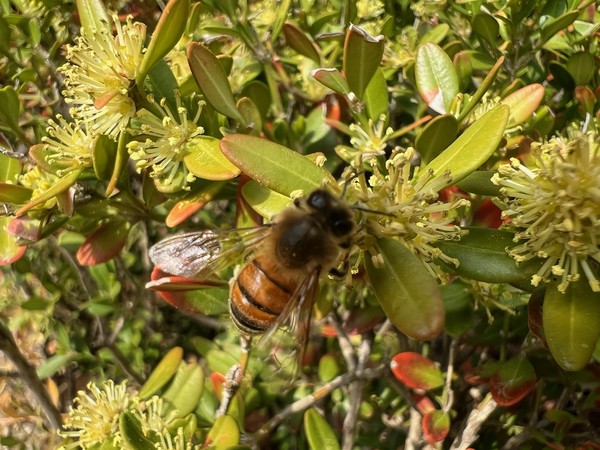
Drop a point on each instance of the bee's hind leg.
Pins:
(235, 376)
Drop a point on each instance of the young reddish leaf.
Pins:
(423, 403)
(416, 371)
(333, 79)
(216, 381)
(13, 193)
(104, 244)
(205, 160)
(224, 434)
(300, 42)
(436, 77)
(586, 99)
(9, 250)
(535, 319)
(319, 434)
(514, 380)
(273, 165)
(523, 103)
(572, 324)
(487, 215)
(212, 80)
(27, 230)
(169, 29)
(436, 425)
(408, 294)
(162, 373)
(192, 203)
(362, 56)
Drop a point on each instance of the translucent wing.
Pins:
(204, 252)
(297, 314)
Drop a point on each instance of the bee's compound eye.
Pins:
(318, 200)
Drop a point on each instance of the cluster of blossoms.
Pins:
(555, 208)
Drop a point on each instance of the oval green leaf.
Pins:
(437, 135)
(300, 42)
(362, 56)
(272, 165)
(133, 436)
(224, 434)
(104, 155)
(9, 108)
(480, 183)
(13, 193)
(581, 66)
(408, 294)
(205, 160)
(486, 27)
(436, 78)
(483, 257)
(333, 79)
(162, 373)
(212, 80)
(572, 324)
(319, 434)
(263, 200)
(169, 29)
(185, 391)
(376, 97)
(471, 149)
(560, 23)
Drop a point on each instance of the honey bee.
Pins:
(279, 283)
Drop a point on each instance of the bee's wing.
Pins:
(204, 252)
(297, 314)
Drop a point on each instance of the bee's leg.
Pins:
(235, 375)
(341, 271)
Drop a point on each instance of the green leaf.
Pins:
(486, 27)
(333, 79)
(436, 77)
(92, 15)
(571, 324)
(480, 183)
(185, 390)
(319, 434)
(362, 56)
(224, 434)
(13, 193)
(252, 115)
(263, 200)
(169, 29)
(482, 256)
(205, 160)
(104, 155)
(438, 134)
(133, 436)
(581, 66)
(258, 92)
(162, 373)
(9, 108)
(212, 80)
(471, 149)
(272, 165)
(553, 26)
(54, 363)
(523, 103)
(300, 42)
(408, 294)
(376, 97)
(329, 367)
(10, 168)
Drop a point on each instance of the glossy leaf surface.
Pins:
(513, 381)
(472, 148)
(333, 79)
(162, 373)
(263, 200)
(523, 103)
(571, 324)
(133, 436)
(416, 371)
(319, 434)
(224, 434)
(436, 78)
(273, 165)
(408, 294)
(205, 160)
(362, 56)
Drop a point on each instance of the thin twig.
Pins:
(29, 376)
(477, 417)
(414, 440)
(319, 394)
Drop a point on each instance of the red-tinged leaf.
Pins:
(212, 80)
(436, 425)
(13, 193)
(436, 77)
(104, 244)
(206, 161)
(416, 371)
(273, 165)
(333, 79)
(408, 294)
(25, 229)
(523, 103)
(586, 99)
(217, 380)
(192, 203)
(535, 314)
(300, 42)
(472, 375)
(9, 250)
(362, 56)
(487, 215)
(513, 381)
(423, 403)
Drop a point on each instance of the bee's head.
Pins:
(334, 214)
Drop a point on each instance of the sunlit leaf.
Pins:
(192, 203)
(319, 434)
(263, 200)
(162, 373)
(523, 103)
(362, 56)
(224, 434)
(185, 390)
(416, 371)
(436, 77)
(92, 15)
(205, 160)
